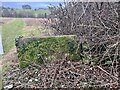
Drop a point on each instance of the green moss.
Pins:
(45, 49)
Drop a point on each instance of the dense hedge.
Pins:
(93, 22)
(45, 49)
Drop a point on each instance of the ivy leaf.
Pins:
(108, 62)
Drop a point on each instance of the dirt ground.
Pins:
(5, 20)
(35, 21)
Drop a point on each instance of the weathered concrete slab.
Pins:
(22, 40)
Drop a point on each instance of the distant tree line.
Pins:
(11, 12)
(26, 7)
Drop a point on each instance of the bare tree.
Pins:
(95, 23)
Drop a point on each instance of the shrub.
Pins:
(93, 22)
(46, 49)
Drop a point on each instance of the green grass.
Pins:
(33, 32)
(34, 12)
(10, 32)
(15, 29)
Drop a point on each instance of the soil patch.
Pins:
(6, 20)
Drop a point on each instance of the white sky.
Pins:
(57, 0)
(31, 0)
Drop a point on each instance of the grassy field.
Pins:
(14, 29)
(34, 11)
(10, 32)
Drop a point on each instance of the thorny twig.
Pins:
(107, 73)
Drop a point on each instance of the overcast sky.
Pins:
(58, 0)
(32, 0)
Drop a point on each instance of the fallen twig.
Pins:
(107, 73)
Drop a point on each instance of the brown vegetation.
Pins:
(95, 23)
(5, 20)
(60, 74)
